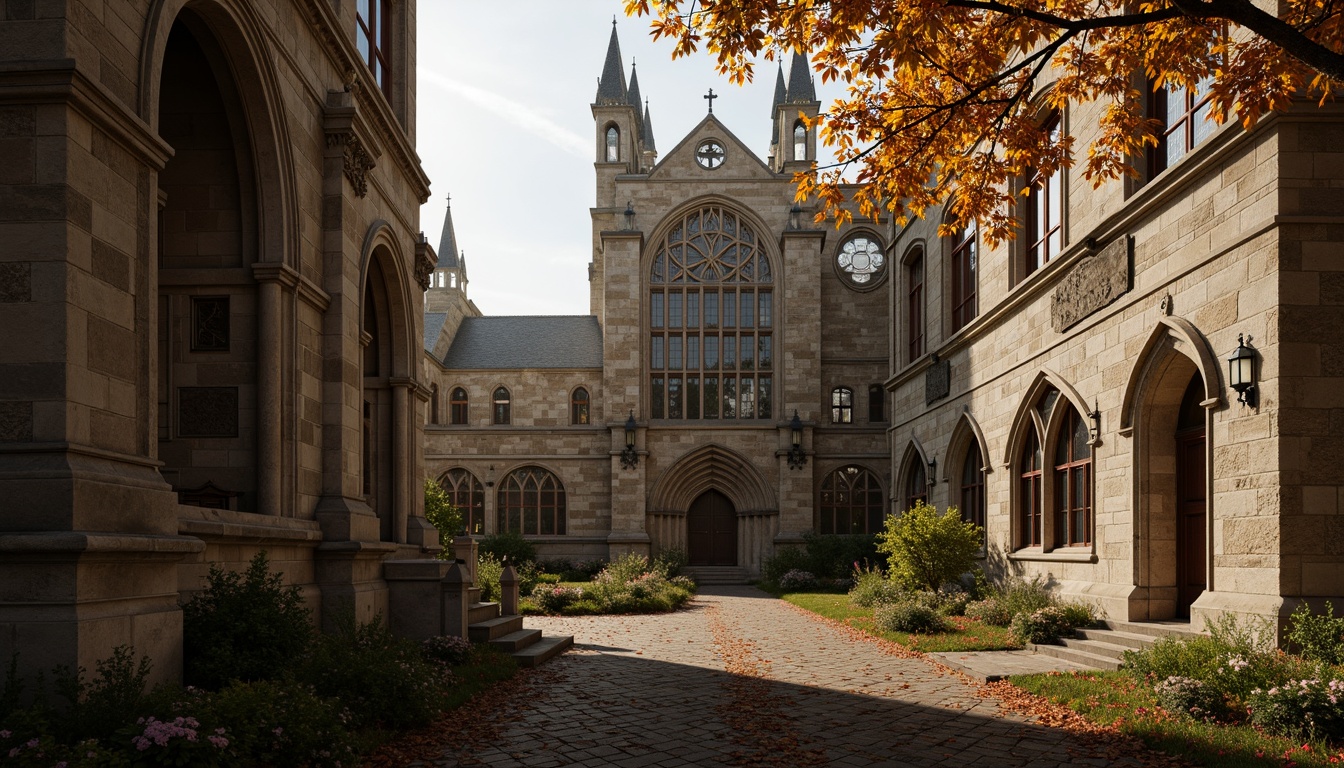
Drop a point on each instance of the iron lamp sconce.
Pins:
(629, 456)
(1094, 429)
(629, 216)
(797, 459)
(1241, 371)
(933, 471)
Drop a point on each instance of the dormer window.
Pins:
(799, 141)
(613, 144)
(373, 38)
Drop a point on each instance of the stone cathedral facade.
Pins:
(718, 313)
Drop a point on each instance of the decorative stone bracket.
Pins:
(347, 133)
(1093, 283)
(425, 261)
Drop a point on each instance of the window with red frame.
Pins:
(373, 38)
(1184, 115)
(964, 307)
(1045, 210)
(1073, 483)
(914, 296)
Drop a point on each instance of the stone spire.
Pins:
(780, 98)
(634, 98)
(800, 81)
(648, 130)
(611, 88)
(448, 242)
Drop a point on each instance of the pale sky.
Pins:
(505, 128)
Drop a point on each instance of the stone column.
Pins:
(402, 470)
(800, 355)
(272, 278)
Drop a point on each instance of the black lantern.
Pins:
(933, 471)
(1094, 431)
(795, 217)
(1241, 371)
(629, 216)
(629, 458)
(797, 459)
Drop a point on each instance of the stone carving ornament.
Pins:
(1093, 283)
(358, 163)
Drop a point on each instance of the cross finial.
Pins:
(711, 97)
(613, 21)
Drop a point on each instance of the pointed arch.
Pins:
(914, 465)
(712, 467)
(1026, 410)
(1186, 340)
(966, 436)
(744, 214)
(382, 247)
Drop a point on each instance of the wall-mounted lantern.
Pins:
(1094, 430)
(1241, 371)
(629, 216)
(933, 471)
(629, 457)
(795, 217)
(797, 459)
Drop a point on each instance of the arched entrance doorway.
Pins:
(1191, 499)
(711, 530)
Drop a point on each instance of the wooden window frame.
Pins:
(965, 262)
(502, 410)
(914, 310)
(468, 495)
(1030, 492)
(375, 34)
(842, 405)
(851, 494)
(580, 403)
(1182, 127)
(971, 490)
(1044, 222)
(457, 407)
(1072, 523)
(534, 493)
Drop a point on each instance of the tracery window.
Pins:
(916, 483)
(578, 407)
(531, 502)
(1045, 209)
(1029, 493)
(457, 406)
(1184, 115)
(861, 260)
(842, 405)
(711, 321)
(972, 492)
(851, 502)
(799, 141)
(467, 495)
(1073, 482)
(373, 38)
(613, 144)
(502, 403)
(964, 305)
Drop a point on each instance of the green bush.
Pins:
(926, 550)
(508, 546)
(278, 723)
(797, 580)
(784, 559)
(553, 598)
(1048, 625)
(1310, 710)
(448, 649)
(834, 556)
(243, 626)
(1019, 596)
(1319, 637)
(669, 562)
(488, 571)
(873, 588)
(1190, 697)
(441, 514)
(383, 680)
(99, 708)
(909, 616)
(989, 611)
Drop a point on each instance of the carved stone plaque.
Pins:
(207, 411)
(1094, 282)
(210, 324)
(937, 381)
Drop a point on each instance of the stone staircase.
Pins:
(707, 575)
(489, 624)
(1104, 647)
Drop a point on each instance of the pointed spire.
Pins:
(800, 81)
(448, 241)
(611, 88)
(780, 97)
(648, 130)
(636, 100)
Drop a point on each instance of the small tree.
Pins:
(441, 514)
(926, 550)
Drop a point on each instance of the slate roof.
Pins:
(448, 242)
(611, 88)
(800, 81)
(433, 326)
(540, 341)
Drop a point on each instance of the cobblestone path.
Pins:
(741, 679)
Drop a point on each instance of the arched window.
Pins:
(914, 306)
(467, 495)
(502, 402)
(851, 502)
(1029, 493)
(1073, 482)
(916, 483)
(842, 405)
(457, 406)
(531, 501)
(972, 494)
(613, 144)
(1045, 209)
(799, 141)
(877, 404)
(964, 305)
(434, 403)
(578, 407)
(711, 321)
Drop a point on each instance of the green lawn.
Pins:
(1116, 698)
(969, 635)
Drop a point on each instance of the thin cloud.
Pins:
(518, 114)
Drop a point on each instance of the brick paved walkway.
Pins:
(741, 679)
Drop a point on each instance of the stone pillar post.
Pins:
(508, 591)
(465, 551)
(414, 594)
(401, 457)
(453, 599)
(272, 277)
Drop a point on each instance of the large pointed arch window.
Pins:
(851, 502)
(972, 492)
(531, 501)
(711, 321)
(467, 495)
(613, 144)
(1073, 482)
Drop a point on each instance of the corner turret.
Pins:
(795, 145)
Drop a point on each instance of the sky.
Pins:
(505, 128)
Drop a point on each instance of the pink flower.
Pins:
(219, 741)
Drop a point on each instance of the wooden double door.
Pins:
(711, 530)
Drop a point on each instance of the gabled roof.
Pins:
(710, 125)
(433, 327)
(554, 341)
(800, 81)
(448, 242)
(611, 88)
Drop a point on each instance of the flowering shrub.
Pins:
(1187, 696)
(180, 741)
(873, 588)
(909, 616)
(449, 649)
(1046, 625)
(1305, 709)
(797, 579)
(278, 723)
(1319, 636)
(989, 611)
(553, 598)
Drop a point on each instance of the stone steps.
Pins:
(1103, 647)
(529, 647)
(706, 575)
(493, 629)
(543, 650)
(477, 612)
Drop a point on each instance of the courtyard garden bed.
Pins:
(631, 584)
